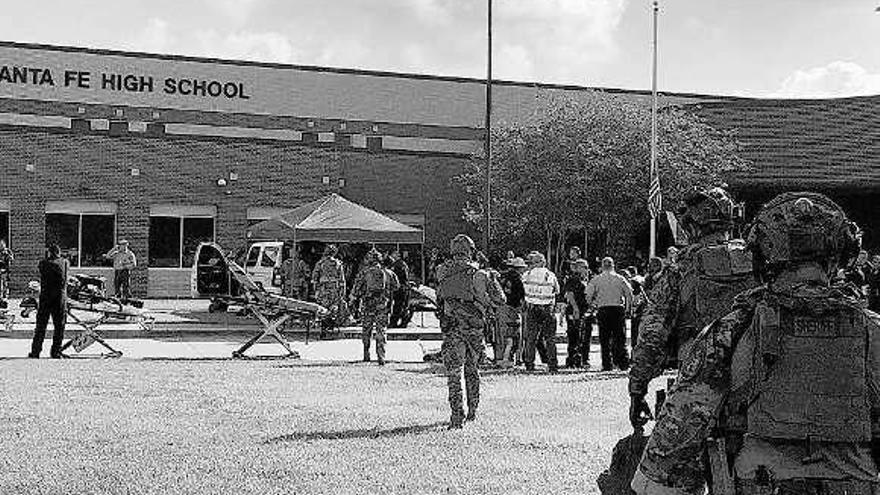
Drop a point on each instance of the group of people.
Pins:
(327, 284)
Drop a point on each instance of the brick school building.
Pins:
(168, 151)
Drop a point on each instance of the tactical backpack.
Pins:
(376, 281)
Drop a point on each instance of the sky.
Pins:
(756, 48)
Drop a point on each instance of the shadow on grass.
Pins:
(356, 434)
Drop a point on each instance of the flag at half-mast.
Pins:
(655, 198)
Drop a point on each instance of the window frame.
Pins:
(79, 233)
(180, 238)
(5, 210)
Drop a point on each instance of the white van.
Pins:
(263, 264)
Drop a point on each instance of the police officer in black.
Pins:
(53, 302)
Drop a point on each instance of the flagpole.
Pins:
(488, 141)
(653, 248)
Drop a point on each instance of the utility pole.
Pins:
(487, 231)
(653, 244)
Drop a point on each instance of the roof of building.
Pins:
(832, 142)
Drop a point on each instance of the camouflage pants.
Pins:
(374, 323)
(462, 348)
(807, 487)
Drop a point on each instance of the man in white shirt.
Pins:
(611, 293)
(124, 262)
(541, 288)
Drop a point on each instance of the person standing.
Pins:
(374, 286)
(6, 259)
(124, 262)
(576, 309)
(401, 295)
(788, 378)
(53, 302)
(510, 314)
(295, 276)
(541, 289)
(640, 301)
(328, 279)
(496, 300)
(689, 294)
(463, 299)
(611, 294)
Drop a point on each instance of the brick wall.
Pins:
(94, 166)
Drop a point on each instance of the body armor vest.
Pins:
(802, 375)
(711, 277)
(457, 281)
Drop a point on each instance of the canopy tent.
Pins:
(336, 219)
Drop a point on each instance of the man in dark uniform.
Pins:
(53, 302)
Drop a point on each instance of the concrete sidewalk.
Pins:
(336, 351)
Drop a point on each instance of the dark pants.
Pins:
(398, 309)
(4, 284)
(55, 309)
(612, 337)
(540, 335)
(122, 283)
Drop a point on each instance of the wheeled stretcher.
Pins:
(218, 276)
(85, 297)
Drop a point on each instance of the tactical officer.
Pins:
(463, 299)
(295, 275)
(53, 302)
(698, 288)
(788, 380)
(374, 286)
(328, 278)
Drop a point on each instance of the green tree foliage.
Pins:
(584, 164)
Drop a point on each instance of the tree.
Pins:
(584, 165)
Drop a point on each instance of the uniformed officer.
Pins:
(788, 380)
(374, 287)
(463, 299)
(690, 293)
(295, 276)
(328, 279)
(53, 302)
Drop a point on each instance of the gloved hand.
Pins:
(639, 411)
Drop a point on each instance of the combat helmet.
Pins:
(462, 245)
(801, 227)
(703, 211)
(372, 257)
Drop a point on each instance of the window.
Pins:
(253, 256)
(270, 254)
(175, 234)
(84, 231)
(4, 226)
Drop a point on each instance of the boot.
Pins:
(455, 423)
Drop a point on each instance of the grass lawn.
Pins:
(266, 427)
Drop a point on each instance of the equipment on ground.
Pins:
(219, 277)
(86, 294)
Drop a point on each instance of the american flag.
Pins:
(655, 198)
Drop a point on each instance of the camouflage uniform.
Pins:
(328, 279)
(295, 278)
(790, 379)
(374, 311)
(691, 293)
(463, 299)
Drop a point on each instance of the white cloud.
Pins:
(155, 37)
(836, 79)
(565, 38)
(262, 46)
(236, 10)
